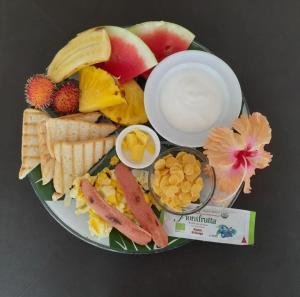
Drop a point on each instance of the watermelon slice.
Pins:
(163, 38)
(130, 56)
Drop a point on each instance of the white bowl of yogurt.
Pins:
(188, 94)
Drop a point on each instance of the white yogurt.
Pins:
(191, 97)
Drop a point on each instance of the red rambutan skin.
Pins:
(39, 90)
(66, 98)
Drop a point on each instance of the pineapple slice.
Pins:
(137, 153)
(150, 148)
(124, 145)
(131, 140)
(141, 136)
(97, 90)
(134, 111)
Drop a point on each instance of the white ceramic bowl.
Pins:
(148, 158)
(216, 68)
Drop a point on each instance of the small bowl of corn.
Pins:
(137, 146)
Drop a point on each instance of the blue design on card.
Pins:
(225, 231)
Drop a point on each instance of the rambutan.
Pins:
(39, 90)
(66, 98)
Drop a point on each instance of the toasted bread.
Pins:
(74, 159)
(47, 162)
(69, 130)
(91, 117)
(30, 146)
(56, 196)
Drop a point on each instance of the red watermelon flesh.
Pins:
(164, 43)
(163, 38)
(125, 62)
(130, 56)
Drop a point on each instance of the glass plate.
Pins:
(77, 224)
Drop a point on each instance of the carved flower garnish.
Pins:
(232, 151)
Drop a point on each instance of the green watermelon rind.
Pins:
(150, 26)
(142, 49)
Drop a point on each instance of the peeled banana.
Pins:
(87, 48)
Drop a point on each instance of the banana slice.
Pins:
(87, 48)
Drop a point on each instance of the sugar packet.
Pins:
(215, 224)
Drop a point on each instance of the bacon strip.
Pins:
(113, 216)
(139, 207)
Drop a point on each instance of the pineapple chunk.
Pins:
(133, 111)
(150, 148)
(141, 136)
(131, 140)
(98, 90)
(124, 145)
(137, 152)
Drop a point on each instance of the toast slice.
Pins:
(56, 196)
(30, 154)
(47, 162)
(69, 130)
(91, 117)
(73, 159)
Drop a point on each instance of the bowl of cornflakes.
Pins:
(181, 180)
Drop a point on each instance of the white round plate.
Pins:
(224, 76)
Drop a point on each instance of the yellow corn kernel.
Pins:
(137, 153)
(141, 136)
(114, 160)
(124, 145)
(150, 148)
(131, 140)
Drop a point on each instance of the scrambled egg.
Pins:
(114, 160)
(109, 188)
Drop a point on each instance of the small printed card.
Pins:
(215, 224)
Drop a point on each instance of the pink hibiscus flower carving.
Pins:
(232, 151)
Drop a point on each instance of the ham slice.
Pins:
(139, 207)
(113, 216)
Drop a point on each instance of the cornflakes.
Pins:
(188, 169)
(174, 179)
(179, 174)
(188, 158)
(177, 180)
(180, 155)
(160, 164)
(175, 168)
(171, 191)
(171, 161)
(186, 187)
(191, 177)
(164, 171)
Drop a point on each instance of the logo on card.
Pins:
(225, 231)
(179, 226)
